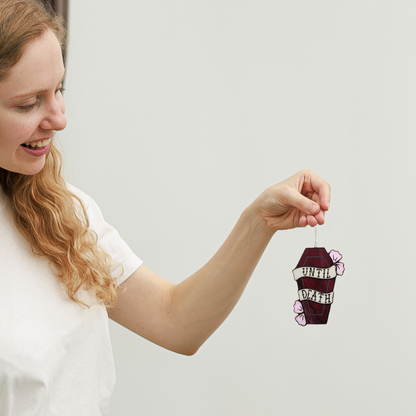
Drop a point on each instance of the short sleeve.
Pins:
(109, 239)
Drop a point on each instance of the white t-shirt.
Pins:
(55, 356)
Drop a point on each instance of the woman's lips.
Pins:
(37, 148)
(37, 151)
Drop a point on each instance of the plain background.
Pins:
(181, 113)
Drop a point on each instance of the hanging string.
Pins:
(316, 236)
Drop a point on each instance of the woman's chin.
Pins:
(28, 169)
(33, 170)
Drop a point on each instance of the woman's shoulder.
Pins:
(85, 198)
(77, 192)
(91, 207)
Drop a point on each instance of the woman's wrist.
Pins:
(257, 218)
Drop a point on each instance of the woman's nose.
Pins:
(54, 118)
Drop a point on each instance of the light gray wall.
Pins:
(180, 113)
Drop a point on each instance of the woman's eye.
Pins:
(25, 108)
(28, 107)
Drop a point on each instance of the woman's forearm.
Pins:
(201, 303)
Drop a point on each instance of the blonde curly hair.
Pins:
(46, 212)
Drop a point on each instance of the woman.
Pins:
(64, 270)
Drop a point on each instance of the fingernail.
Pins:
(313, 208)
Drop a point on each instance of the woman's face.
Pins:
(31, 106)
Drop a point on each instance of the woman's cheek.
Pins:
(25, 132)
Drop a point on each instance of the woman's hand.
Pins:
(298, 201)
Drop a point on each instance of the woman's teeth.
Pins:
(40, 143)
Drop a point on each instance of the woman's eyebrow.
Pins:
(35, 92)
(28, 94)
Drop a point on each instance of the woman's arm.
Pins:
(181, 317)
